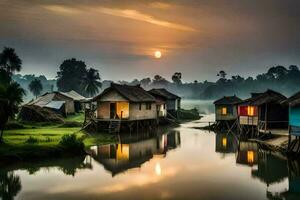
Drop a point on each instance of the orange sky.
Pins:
(119, 38)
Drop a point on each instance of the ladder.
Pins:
(114, 126)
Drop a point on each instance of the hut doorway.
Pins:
(113, 110)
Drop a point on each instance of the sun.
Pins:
(157, 54)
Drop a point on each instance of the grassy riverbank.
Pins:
(38, 140)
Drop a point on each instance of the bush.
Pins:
(192, 114)
(31, 140)
(71, 142)
(71, 124)
(13, 125)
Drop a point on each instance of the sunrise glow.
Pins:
(157, 54)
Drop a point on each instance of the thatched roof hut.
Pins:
(172, 100)
(57, 101)
(125, 102)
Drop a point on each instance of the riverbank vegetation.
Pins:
(26, 141)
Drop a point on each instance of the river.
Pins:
(175, 163)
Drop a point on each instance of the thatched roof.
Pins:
(265, 97)
(294, 100)
(74, 95)
(47, 98)
(131, 93)
(228, 100)
(163, 93)
(33, 113)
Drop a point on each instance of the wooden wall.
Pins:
(136, 114)
(69, 105)
(173, 104)
(249, 120)
(231, 112)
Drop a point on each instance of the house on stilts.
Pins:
(172, 101)
(123, 107)
(226, 111)
(263, 113)
(294, 122)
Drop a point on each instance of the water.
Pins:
(175, 163)
(203, 106)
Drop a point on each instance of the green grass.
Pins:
(47, 138)
(78, 117)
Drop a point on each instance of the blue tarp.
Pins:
(55, 104)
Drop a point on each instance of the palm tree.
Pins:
(11, 96)
(91, 82)
(10, 61)
(35, 86)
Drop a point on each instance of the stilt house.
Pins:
(124, 102)
(264, 111)
(226, 108)
(172, 100)
(294, 114)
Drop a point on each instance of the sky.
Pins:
(119, 38)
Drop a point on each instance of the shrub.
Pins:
(31, 140)
(13, 125)
(192, 114)
(71, 124)
(71, 142)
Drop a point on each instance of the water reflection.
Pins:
(247, 153)
(226, 143)
(130, 152)
(293, 191)
(10, 185)
(152, 166)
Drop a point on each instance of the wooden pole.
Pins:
(266, 118)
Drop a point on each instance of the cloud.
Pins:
(160, 5)
(61, 9)
(136, 15)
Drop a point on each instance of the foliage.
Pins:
(70, 75)
(71, 142)
(70, 124)
(91, 82)
(11, 94)
(10, 61)
(192, 114)
(49, 85)
(10, 185)
(176, 78)
(36, 87)
(14, 125)
(31, 140)
(74, 75)
(279, 78)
